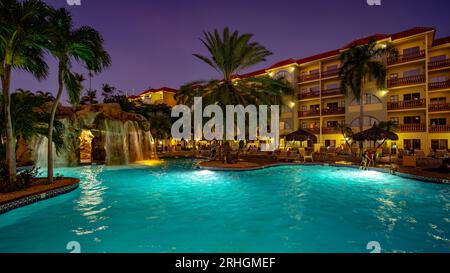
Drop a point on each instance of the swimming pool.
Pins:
(174, 207)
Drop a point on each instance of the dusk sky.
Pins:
(151, 42)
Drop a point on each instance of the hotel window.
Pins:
(411, 144)
(332, 105)
(438, 79)
(439, 144)
(304, 108)
(411, 52)
(439, 100)
(332, 67)
(413, 96)
(395, 120)
(281, 125)
(314, 89)
(393, 76)
(332, 86)
(411, 73)
(315, 107)
(438, 58)
(367, 121)
(330, 143)
(283, 74)
(304, 125)
(394, 98)
(438, 121)
(314, 72)
(411, 120)
(332, 124)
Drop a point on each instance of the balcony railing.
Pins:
(329, 130)
(404, 58)
(330, 73)
(407, 128)
(406, 81)
(439, 128)
(314, 130)
(437, 107)
(309, 113)
(308, 95)
(331, 92)
(407, 104)
(439, 64)
(438, 85)
(333, 111)
(309, 77)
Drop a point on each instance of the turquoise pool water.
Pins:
(176, 208)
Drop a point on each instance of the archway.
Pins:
(86, 138)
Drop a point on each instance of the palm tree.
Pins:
(83, 45)
(346, 132)
(107, 91)
(230, 54)
(360, 62)
(21, 48)
(47, 96)
(90, 97)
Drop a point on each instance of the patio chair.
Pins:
(305, 156)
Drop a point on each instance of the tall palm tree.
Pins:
(67, 43)
(21, 48)
(47, 96)
(230, 54)
(107, 91)
(360, 62)
(90, 97)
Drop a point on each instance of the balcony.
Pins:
(308, 95)
(309, 77)
(412, 80)
(407, 104)
(439, 64)
(404, 58)
(438, 85)
(439, 128)
(329, 130)
(330, 73)
(438, 107)
(331, 92)
(315, 130)
(333, 111)
(412, 128)
(308, 113)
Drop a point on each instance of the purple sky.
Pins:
(151, 42)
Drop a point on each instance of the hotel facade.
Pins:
(417, 94)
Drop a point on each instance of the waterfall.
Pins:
(40, 153)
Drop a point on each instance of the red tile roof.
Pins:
(133, 97)
(282, 63)
(411, 32)
(253, 74)
(318, 56)
(441, 41)
(366, 40)
(164, 89)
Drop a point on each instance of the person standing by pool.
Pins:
(213, 150)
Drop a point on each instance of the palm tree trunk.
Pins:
(50, 127)
(10, 141)
(361, 114)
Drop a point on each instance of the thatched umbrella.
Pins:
(374, 134)
(301, 135)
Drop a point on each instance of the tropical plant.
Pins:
(46, 96)
(107, 91)
(230, 54)
(21, 48)
(360, 62)
(89, 98)
(389, 125)
(67, 43)
(346, 131)
(160, 119)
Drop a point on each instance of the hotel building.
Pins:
(417, 94)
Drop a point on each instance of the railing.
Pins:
(314, 130)
(412, 128)
(308, 95)
(407, 104)
(330, 73)
(333, 111)
(310, 113)
(406, 57)
(406, 81)
(437, 107)
(309, 77)
(438, 85)
(439, 64)
(329, 130)
(331, 92)
(439, 128)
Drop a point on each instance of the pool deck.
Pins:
(38, 192)
(413, 173)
